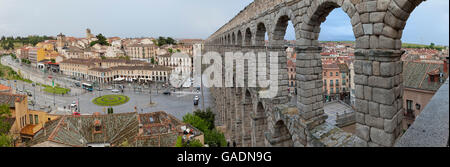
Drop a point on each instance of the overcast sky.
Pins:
(182, 19)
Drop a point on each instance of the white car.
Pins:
(196, 98)
(115, 91)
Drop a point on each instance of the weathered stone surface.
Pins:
(367, 68)
(390, 125)
(359, 91)
(390, 32)
(386, 42)
(368, 29)
(381, 137)
(387, 111)
(360, 79)
(368, 93)
(378, 28)
(377, 25)
(387, 69)
(362, 106)
(374, 109)
(374, 121)
(377, 17)
(373, 42)
(381, 82)
(382, 5)
(360, 118)
(363, 131)
(376, 68)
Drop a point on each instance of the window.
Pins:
(331, 74)
(337, 73)
(36, 119)
(331, 82)
(98, 128)
(31, 119)
(418, 106)
(324, 74)
(331, 90)
(337, 82)
(409, 104)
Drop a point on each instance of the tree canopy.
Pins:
(163, 41)
(100, 40)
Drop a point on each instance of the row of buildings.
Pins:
(129, 59)
(109, 70)
(31, 128)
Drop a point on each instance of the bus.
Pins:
(87, 86)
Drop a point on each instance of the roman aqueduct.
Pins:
(252, 121)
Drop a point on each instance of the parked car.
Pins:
(196, 100)
(115, 91)
(167, 92)
(73, 105)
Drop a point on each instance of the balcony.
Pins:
(409, 114)
(431, 127)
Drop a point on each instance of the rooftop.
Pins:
(140, 130)
(431, 127)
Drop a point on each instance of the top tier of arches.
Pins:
(377, 24)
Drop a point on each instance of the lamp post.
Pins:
(34, 94)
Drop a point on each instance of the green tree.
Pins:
(208, 116)
(196, 121)
(215, 138)
(5, 141)
(193, 143)
(125, 143)
(170, 40)
(4, 114)
(153, 60)
(161, 41)
(100, 40)
(53, 60)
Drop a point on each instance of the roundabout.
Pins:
(111, 100)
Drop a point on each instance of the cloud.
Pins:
(183, 19)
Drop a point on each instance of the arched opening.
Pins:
(283, 32)
(247, 127)
(259, 126)
(233, 39)
(248, 37)
(329, 77)
(239, 38)
(261, 35)
(281, 135)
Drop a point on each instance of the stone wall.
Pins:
(377, 27)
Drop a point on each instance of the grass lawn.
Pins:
(56, 90)
(111, 100)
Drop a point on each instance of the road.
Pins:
(178, 103)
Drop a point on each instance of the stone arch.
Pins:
(309, 30)
(259, 125)
(246, 119)
(280, 28)
(260, 34)
(281, 136)
(248, 37)
(239, 38)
